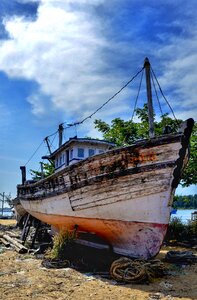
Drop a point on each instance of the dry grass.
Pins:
(23, 277)
(8, 222)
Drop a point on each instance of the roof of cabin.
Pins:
(68, 143)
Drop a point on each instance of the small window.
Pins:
(80, 152)
(56, 162)
(60, 160)
(91, 152)
(101, 151)
(71, 154)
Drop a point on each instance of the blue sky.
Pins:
(60, 60)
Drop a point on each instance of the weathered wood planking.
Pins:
(126, 159)
(120, 189)
(124, 195)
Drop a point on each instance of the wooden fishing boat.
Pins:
(124, 195)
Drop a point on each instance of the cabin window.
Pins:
(56, 163)
(91, 152)
(71, 154)
(80, 152)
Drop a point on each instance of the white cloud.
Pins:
(64, 51)
(61, 50)
(179, 73)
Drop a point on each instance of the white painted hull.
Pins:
(124, 195)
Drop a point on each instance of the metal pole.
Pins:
(149, 96)
(3, 198)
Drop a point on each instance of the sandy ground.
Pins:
(23, 277)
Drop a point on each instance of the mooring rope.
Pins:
(136, 271)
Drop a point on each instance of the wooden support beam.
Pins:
(19, 248)
(26, 228)
(35, 234)
(3, 241)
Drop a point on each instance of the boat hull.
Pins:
(124, 195)
(18, 210)
(134, 239)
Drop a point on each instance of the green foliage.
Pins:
(175, 229)
(181, 232)
(190, 173)
(127, 132)
(185, 202)
(124, 133)
(121, 132)
(191, 229)
(48, 169)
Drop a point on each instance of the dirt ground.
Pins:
(23, 277)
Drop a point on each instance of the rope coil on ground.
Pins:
(55, 263)
(136, 271)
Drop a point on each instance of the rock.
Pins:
(156, 296)
(165, 285)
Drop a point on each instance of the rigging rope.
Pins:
(163, 95)
(106, 102)
(139, 88)
(88, 117)
(112, 97)
(52, 134)
(34, 153)
(152, 79)
(51, 142)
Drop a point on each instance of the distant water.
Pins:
(6, 214)
(183, 214)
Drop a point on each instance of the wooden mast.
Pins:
(48, 146)
(60, 131)
(149, 96)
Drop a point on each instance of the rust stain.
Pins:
(137, 238)
(143, 157)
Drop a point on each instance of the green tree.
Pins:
(189, 201)
(120, 132)
(124, 133)
(127, 132)
(48, 169)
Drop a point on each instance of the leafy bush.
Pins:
(181, 232)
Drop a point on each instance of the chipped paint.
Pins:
(123, 195)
